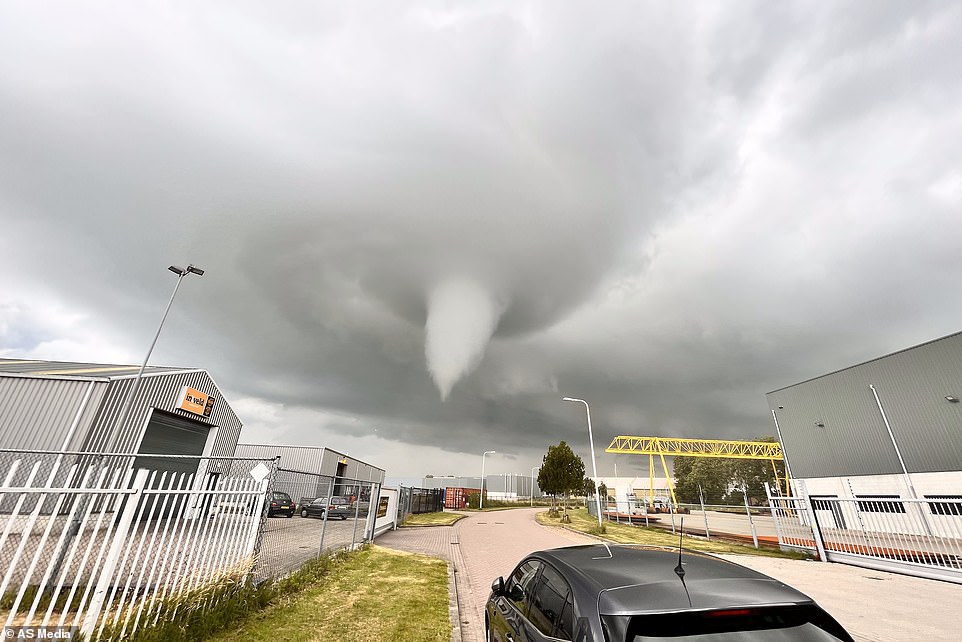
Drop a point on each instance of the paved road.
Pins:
(873, 605)
(480, 548)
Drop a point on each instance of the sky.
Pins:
(424, 223)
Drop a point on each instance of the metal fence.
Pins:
(920, 537)
(109, 542)
(318, 524)
(750, 524)
(97, 541)
(419, 500)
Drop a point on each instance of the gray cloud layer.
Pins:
(671, 210)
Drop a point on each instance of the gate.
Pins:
(921, 537)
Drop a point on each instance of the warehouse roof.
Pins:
(72, 369)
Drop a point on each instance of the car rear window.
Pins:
(748, 624)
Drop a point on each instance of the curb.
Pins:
(454, 609)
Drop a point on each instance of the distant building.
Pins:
(311, 471)
(884, 429)
(509, 487)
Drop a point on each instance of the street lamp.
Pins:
(591, 443)
(533, 468)
(181, 273)
(481, 500)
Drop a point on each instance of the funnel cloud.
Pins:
(462, 316)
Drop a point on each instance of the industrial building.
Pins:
(507, 487)
(66, 406)
(309, 471)
(886, 429)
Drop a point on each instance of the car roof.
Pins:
(632, 579)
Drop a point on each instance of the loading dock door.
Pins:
(169, 434)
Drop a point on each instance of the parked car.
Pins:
(281, 504)
(341, 507)
(605, 593)
(336, 507)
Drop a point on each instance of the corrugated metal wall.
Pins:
(161, 391)
(36, 413)
(308, 459)
(912, 386)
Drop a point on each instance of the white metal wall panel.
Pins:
(912, 385)
(37, 413)
(312, 459)
(160, 391)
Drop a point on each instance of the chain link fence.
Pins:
(313, 514)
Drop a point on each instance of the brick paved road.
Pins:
(481, 547)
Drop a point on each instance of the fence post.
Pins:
(701, 498)
(773, 506)
(357, 513)
(816, 528)
(750, 521)
(372, 508)
(255, 528)
(113, 556)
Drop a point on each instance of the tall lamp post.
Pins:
(181, 273)
(481, 500)
(591, 443)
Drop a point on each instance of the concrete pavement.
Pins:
(872, 605)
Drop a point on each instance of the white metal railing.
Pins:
(920, 537)
(87, 540)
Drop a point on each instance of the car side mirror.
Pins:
(497, 587)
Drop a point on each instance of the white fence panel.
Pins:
(921, 537)
(90, 540)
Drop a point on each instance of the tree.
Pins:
(752, 474)
(588, 489)
(562, 472)
(721, 480)
(695, 476)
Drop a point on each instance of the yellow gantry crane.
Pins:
(675, 447)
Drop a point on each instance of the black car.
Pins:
(319, 506)
(605, 593)
(281, 504)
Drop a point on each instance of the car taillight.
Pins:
(273, 503)
(731, 613)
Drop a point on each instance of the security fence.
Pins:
(102, 541)
(750, 524)
(326, 513)
(111, 543)
(920, 537)
(419, 500)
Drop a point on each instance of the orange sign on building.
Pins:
(195, 401)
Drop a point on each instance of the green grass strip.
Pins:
(371, 595)
(624, 534)
(432, 519)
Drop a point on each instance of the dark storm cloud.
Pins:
(666, 211)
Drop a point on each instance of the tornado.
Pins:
(462, 315)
